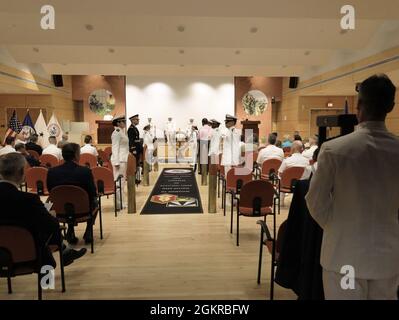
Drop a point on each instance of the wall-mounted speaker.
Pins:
(294, 82)
(57, 79)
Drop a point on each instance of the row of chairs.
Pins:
(36, 182)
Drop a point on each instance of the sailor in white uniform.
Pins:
(214, 145)
(120, 150)
(231, 137)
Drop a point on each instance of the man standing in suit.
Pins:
(27, 210)
(71, 173)
(32, 144)
(354, 197)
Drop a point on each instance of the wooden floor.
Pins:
(180, 256)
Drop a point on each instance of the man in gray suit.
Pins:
(354, 197)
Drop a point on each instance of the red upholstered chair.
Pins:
(20, 254)
(88, 160)
(36, 180)
(289, 177)
(274, 248)
(257, 198)
(103, 159)
(108, 153)
(49, 161)
(236, 178)
(34, 154)
(105, 184)
(72, 206)
(269, 167)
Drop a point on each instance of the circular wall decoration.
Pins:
(101, 102)
(255, 102)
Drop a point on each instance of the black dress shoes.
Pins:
(70, 255)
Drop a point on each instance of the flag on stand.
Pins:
(28, 127)
(41, 130)
(54, 128)
(14, 127)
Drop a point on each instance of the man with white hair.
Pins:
(296, 159)
(308, 153)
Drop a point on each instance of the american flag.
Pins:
(14, 127)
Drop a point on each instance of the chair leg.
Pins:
(231, 213)
(218, 184)
(101, 218)
(238, 228)
(272, 273)
(9, 286)
(92, 236)
(260, 256)
(39, 286)
(224, 202)
(62, 267)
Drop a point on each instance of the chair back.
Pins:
(108, 153)
(257, 194)
(48, 160)
(36, 180)
(237, 177)
(102, 156)
(70, 201)
(290, 176)
(19, 242)
(88, 160)
(104, 180)
(34, 154)
(250, 159)
(270, 166)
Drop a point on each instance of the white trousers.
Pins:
(384, 289)
(117, 172)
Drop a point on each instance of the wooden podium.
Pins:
(250, 125)
(104, 131)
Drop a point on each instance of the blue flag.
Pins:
(28, 128)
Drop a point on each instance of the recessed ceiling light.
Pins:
(181, 28)
(181, 51)
(36, 49)
(237, 52)
(307, 53)
(111, 50)
(89, 27)
(253, 30)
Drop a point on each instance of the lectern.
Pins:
(250, 125)
(104, 131)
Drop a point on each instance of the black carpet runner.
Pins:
(176, 191)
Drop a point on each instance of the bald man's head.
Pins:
(297, 147)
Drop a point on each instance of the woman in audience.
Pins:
(287, 143)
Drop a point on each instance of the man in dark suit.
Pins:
(135, 143)
(71, 173)
(27, 210)
(32, 144)
(21, 148)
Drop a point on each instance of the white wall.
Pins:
(181, 98)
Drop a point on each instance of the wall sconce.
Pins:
(330, 104)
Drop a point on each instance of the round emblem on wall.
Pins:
(102, 102)
(255, 102)
(27, 131)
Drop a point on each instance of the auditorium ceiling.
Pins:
(187, 37)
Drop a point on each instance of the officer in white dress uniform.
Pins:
(148, 140)
(193, 145)
(189, 128)
(88, 148)
(214, 145)
(170, 132)
(270, 151)
(308, 153)
(354, 197)
(52, 148)
(231, 137)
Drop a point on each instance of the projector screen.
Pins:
(180, 98)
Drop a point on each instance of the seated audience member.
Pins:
(27, 209)
(63, 141)
(287, 143)
(20, 138)
(279, 144)
(297, 136)
(20, 148)
(32, 144)
(52, 148)
(9, 146)
(296, 159)
(308, 153)
(353, 196)
(271, 151)
(88, 148)
(71, 173)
